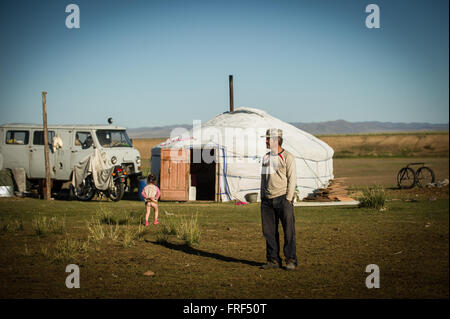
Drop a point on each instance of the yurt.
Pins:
(221, 159)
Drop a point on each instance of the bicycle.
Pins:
(407, 178)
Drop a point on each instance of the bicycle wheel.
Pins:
(406, 178)
(424, 175)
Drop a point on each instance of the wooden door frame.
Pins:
(186, 161)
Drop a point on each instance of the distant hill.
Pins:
(344, 127)
(154, 132)
(320, 128)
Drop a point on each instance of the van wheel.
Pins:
(117, 192)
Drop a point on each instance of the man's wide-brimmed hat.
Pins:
(274, 132)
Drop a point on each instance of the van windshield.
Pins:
(110, 138)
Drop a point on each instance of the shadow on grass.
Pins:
(193, 251)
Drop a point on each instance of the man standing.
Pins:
(278, 183)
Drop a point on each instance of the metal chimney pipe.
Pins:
(231, 93)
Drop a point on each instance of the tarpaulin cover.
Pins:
(6, 178)
(94, 164)
(20, 178)
(239, 138)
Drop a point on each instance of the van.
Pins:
(22, 146)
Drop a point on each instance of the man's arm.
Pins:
(263, 178)
(291, 174)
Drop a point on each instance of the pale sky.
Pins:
(155, 63)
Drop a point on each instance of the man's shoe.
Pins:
(271, 265)
(290, 265)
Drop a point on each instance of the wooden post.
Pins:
(48, 185)
(230, 78)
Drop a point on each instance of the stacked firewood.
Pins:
(335, 192)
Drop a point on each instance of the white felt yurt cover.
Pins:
(239, 138)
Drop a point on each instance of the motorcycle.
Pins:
(87, 190)
(120, 179)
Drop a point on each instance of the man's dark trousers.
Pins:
(273, 210)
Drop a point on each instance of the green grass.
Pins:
(5, 227)
(96, 230)
(170, 226)
(107, 215)
(18, 225)
(42, 225)
(409, 242)
(187, 229)
(68, 249)
(57, 225)
(132, 234)
(373, 197)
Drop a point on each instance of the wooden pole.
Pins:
(230, 78)
(48, 186)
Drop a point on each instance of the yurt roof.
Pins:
(300, 143)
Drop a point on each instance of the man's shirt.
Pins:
(278, 175)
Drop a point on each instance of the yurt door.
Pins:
(174, 178)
